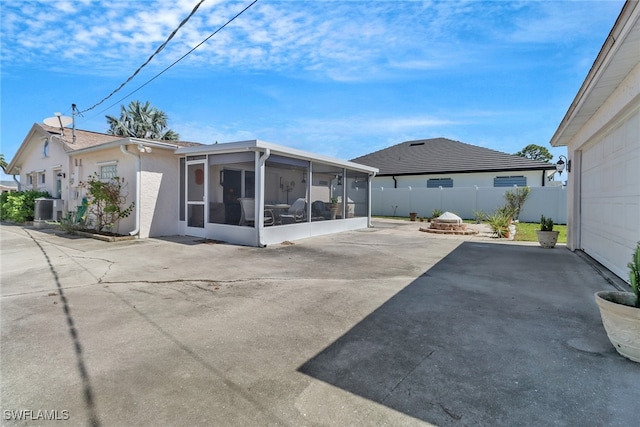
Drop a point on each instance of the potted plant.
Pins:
(334, 207)
(546, 236)
(412, 216)
(620, 313)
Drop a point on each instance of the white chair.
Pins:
(248, 206)
(296, 213)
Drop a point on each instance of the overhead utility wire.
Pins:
(182, 57)
(162, 46)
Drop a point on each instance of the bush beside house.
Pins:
(19, 206)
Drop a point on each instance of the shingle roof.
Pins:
(442, 155)
(87, 139)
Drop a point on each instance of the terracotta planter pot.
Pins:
(413, 215)
(621, 320)
(547, 239)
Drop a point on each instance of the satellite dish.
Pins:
(58, 121)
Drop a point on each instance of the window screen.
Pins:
(440, 182)
(510, 181)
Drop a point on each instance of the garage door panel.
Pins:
(610, 199)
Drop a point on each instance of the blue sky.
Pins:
(339, 78)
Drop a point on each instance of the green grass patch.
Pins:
(526, 232)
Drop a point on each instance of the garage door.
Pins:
(610, 202)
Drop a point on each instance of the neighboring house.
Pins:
(8, 186)
(248, 192)
(602, 132)
(441, 162)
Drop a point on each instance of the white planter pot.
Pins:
(621, 320)
(547, 239)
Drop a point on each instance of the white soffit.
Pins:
(618, 56)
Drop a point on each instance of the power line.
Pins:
(182, 57)
(162, 46)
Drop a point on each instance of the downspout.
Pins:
(136, 230)
(17, 182)
(395, 181)
(260, 196)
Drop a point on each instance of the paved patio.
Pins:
(386, 326)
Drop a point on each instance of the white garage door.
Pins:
(610, 211)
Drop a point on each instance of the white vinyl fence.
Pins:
(463, 201)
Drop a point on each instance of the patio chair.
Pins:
(248, 216)
(319, 211)
(269, 217)
(296, 213)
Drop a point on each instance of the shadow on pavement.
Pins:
(494, 334)
(87, 390)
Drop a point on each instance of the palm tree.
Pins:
(141, 121)
(3, 163)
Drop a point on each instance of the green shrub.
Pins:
(546, 224)
(634, 274)
(515, 199)
(436, 213)
(499, 223)
(106, 202)
(18, 206)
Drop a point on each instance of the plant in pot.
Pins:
(546, 236)
(620, 312)
(334, 207)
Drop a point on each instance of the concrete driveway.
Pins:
(386, 326)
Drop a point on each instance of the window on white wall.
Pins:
(45, 148)
(30, 179)
(108, 171)
(440, 182)
(510, 181)
(42, 178)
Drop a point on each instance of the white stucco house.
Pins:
(601, 131)
(248, 192)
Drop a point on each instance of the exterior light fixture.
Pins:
(144, 149)
(560, 165)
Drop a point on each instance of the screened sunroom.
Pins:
(256, 193)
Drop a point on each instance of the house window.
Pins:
(30, 179)
(42, 178)
(510, 181)
(440, 182)
(45, 148)
(108, 171)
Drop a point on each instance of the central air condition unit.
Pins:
(43, 211)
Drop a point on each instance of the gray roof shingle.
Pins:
(442, 155)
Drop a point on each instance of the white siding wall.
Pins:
(604, 186)
(480, 179)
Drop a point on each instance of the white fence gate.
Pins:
(464, 201)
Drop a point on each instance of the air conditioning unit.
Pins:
(43, 211)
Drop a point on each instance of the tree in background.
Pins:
(535, 152)
(141, 121)
(3, 163)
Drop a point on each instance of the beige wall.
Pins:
(34, 159)
(159, 204)
(83, 165)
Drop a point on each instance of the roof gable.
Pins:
(442, 155)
